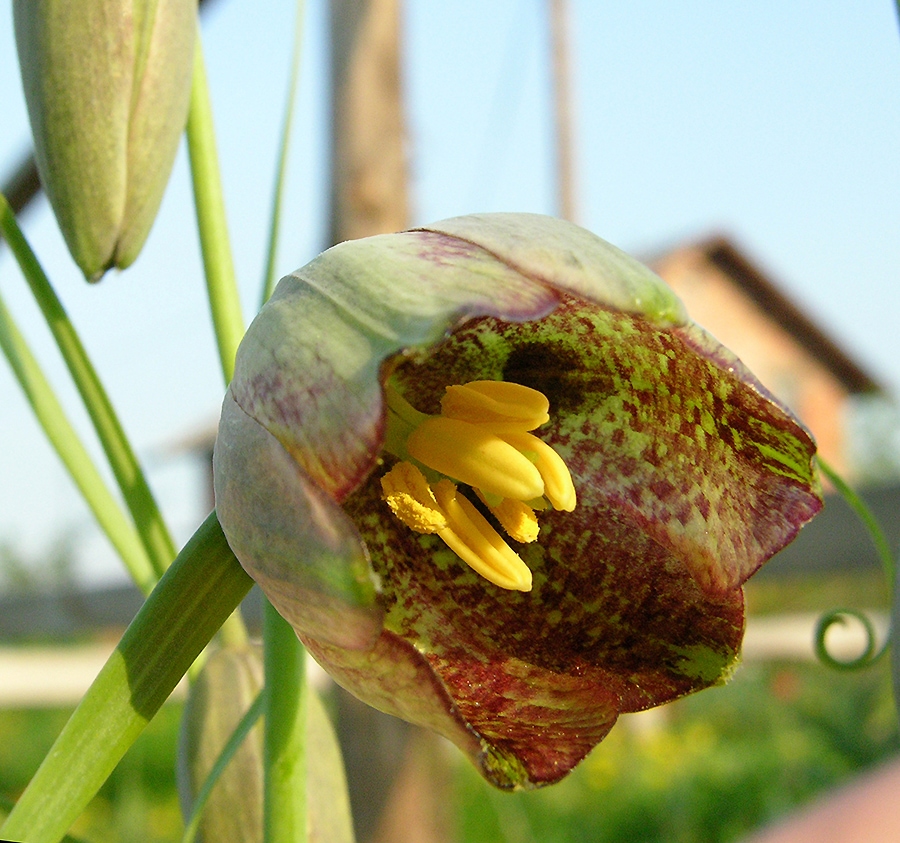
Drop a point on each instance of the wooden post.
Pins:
(383, 756)
(368, 157)
(562, 109)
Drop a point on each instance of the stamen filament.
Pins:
(402, 420)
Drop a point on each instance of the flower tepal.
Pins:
(501, 486)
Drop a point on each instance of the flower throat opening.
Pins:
(481, 438)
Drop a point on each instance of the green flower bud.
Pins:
(224, 690)
(107, 86)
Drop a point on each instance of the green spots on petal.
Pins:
(782, 452)
(703, 664)
(503, 768)
(554, 616)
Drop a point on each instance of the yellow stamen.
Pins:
(407, 493)
(558, 486)
(478, 544)
(476, 456)
(496, 402)
(457, 523)
(481, 439)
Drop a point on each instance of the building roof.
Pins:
(722, 253)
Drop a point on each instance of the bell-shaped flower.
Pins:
(107, 86)
(501, 486)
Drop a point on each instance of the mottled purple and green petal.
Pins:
(305, 404)
(689, 476)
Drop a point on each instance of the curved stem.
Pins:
(870, 522)
(871, 653)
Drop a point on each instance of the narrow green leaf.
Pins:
(202, 587)
(135, 490)
(215, 245)
(269, 277)
(6, 806)
(65, 441)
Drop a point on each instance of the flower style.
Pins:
(501, 486)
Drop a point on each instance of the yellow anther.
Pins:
(480, 439)
(517, 518)
(558, 486)
(476, 456)
(477, 543)
(496, 403)
(407, 493)
(457, 523)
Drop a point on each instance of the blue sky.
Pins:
(776, 122)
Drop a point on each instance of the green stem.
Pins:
(62, 436)
(285, 816)
(285, 732)
(126, 469)
(212, 225)
(209, 200)
(202, 587)
(281, 173)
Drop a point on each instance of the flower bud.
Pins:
(107, 85)
(224, 690)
